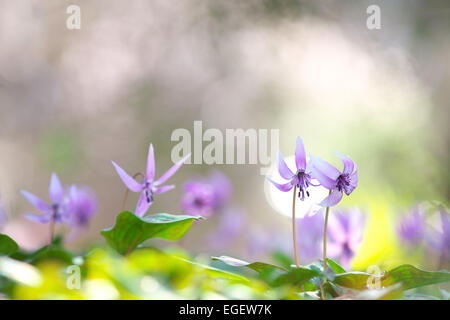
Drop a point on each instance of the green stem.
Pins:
(293, 229)
(325, 247)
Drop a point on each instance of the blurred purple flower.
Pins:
(82, 206)
(56, 211)
(302, 176)
(203, 196)
(412, 228)
(309, 237)
(345, 234)
(232, 223)
(148, 187)
(2, 215)
(440, 241)
(334, 180)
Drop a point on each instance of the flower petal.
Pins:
(171, 171)
(142, 205)
(36, 201)
(283, 169)
(332, 200)
(354, 178)
(300, 155)
(163, 189)
(282, 187)
(56, 190)
(348, 163)
(131, 184)
(44, 218)
(325, 168)
(151, 163)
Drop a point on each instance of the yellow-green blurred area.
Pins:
(73, 100)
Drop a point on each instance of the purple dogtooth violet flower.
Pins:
(149, 186)
(82, 206)
(412, 227)
(57, 210)
(334, 180)
(301, 178)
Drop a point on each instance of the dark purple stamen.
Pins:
(303, 183)
(343, 183)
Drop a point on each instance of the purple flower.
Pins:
(82, 206)
(302, 176)
(309, 237)
(148, 187)
(412, 228)
(345, 234)
(440, 241)
(56, 210)
(232, 223)
(203, 196)
(334, 180)
(2, 216)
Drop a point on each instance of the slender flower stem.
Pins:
(293, 228)
(126, 191)
(325, 248)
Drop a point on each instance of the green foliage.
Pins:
(131, 230)
(7, 245)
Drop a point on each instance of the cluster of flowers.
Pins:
(326, 174)
(73, 206)
(414, 231)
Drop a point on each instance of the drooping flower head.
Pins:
(334, 180)
(302, 176)
(57, 210)
(345, 234)
(412, 228)
(204, 196)
(82, 206)
(148, 187)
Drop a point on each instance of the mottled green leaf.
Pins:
(131, 230)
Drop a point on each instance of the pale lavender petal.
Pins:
(56, 190)
(300, 155)
(171, 171)
(36, 201)
(142, 205)
(323, 179)
(332, 200)
(151, 163)
(348, 163)
(336, 230)
(325, 168)
(282, 187)
(354, 178)
(283, 169)
(163, 189)
(44, 218)
(131, 184)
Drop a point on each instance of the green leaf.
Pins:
(408, 275)
(257, 266)
(7, 245)
(297, 276)
(335, 266)
(131, 230)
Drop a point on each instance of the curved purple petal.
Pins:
(323, 179)
(300, 155)
(171, 171)
(36, 201)
(151, 163)
(44, 218)
(283, 169)
(333, 199)
(325, 168)
(131, 184)
(282, 187)
(354, 178)
(56, 190)
(348, 163)
(142, 205)
(163, 189)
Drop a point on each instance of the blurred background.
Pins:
(73, 100)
